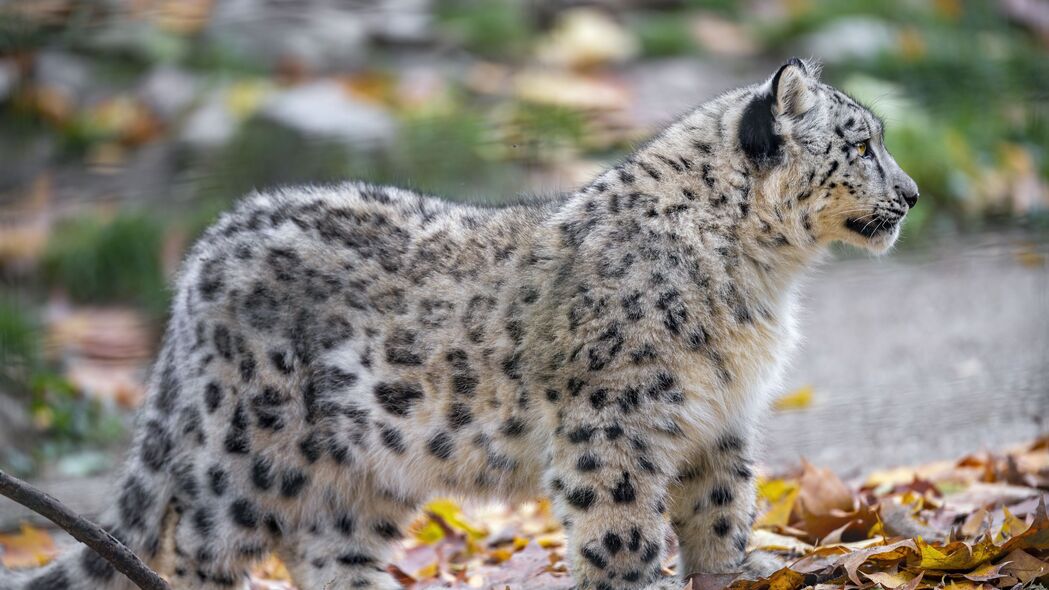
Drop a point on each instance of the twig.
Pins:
(83, 530)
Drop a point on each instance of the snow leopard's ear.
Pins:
(792, 89)
(788, 93)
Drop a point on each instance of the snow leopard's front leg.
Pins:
(610, 490)
(713, 507)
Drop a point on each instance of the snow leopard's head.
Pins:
(825, 157)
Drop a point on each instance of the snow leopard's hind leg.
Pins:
(348, 544)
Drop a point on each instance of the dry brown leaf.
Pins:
(974, 523)
(893, 553)
(985, 573)
(1024, 567)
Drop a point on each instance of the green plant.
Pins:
(664, 34)
(493, 28)
(109, 261)
(67, 419)
(543, 132)
(19, 342)
(264, 155)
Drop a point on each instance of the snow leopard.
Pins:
(336, 355)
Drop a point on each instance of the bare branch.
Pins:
(83, 530)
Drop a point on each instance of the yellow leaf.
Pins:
(957, 555)
(430, 532)
(785, 579)
(1012, 526)
(453, 516)
(272, 569)
(29, 548)
(245, 97)
(800, 399)
(497, 556)
(984, 573)
(427, 571)
(551, 541)
(781, 496)
(774, 489)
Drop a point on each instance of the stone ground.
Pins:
(927, 354)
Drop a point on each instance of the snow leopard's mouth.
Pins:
(871, 226)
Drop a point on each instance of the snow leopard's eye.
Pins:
(861, 147)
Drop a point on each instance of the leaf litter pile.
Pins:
(979, 522)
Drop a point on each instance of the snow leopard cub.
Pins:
(337, 355)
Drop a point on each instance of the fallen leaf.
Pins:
(1024, 566)
(272, 568)
(822, 491)
(781, 496)
(985, 572)
(974, 523)
(799, 399)
(1036, 536)
(769, 541)
(453, 516)
(30, 547)
(957, 555)
(892, 552)
(1012, 525)
(710, 581)
(891, 579)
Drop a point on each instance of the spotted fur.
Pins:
(338, 355)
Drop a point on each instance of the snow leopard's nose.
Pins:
(908, 189)
(911, 196)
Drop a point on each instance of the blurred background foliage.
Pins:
(126, 126)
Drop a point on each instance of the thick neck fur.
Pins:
(689, 200)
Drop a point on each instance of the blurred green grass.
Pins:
(97, 260)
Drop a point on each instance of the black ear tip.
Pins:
(790, 62)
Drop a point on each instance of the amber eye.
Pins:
(861, 148)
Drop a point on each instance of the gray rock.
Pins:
(666, 88)
(401, 21)
(168, 91)
(211, 124)
(319, 34)
(8, 78)
(64, 73)
(324, 109)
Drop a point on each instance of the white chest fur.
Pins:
(753, 357)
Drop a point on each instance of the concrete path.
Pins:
(919, 356)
